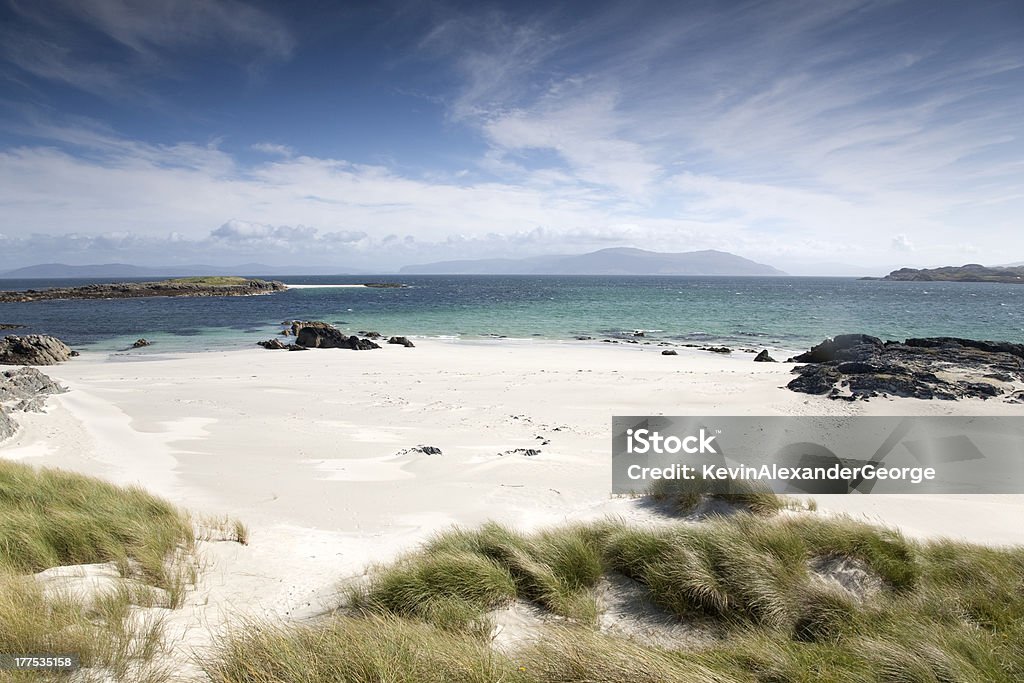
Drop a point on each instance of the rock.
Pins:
(528, 452)
(7, 425)
(718, 349)
(26, 384)
(10, 326)
(321, 335)
(639, 333)
(764, 357)
(670, 352)
(841, 347)
(33, 349)
(858, 366)
(285, 333)
(372, 334)
(272, 344)
(584, 338)
(32, 405)
(296, 347)
(404, 341)
(425, 450)
(139, 343)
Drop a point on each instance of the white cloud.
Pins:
(901, 243)
(273, 149)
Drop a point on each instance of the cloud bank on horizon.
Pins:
(870, 132)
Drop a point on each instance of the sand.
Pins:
(308, 449)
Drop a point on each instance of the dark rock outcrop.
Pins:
(841, 347)
(273, 345)
(856, 366)
(670, 352)
(321, 335)
(764, 357)
(404, 341)
(33, 349)
(139, 343)
(371, 334)
(10, 326)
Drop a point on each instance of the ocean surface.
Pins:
(750, 312)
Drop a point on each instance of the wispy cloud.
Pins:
(55, 39)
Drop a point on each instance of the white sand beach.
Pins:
(307, 449)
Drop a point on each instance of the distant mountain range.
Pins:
(615, 261)
(124, 270)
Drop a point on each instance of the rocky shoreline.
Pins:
(23, 390)
(859, 367)
(185, 287)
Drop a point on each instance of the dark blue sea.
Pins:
(781, 312)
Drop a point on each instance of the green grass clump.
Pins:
(111, 640)
(451, 589)
(463, 574)
(50, 518)
(350, 650)
(684, 496)
(940, 611)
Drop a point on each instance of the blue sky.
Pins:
(375, 135)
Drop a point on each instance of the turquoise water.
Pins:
(784, 312)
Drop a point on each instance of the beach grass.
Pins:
(358, 650)
(684, 496)
(792, 598)
(50, 518)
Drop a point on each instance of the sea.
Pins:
(742, 312)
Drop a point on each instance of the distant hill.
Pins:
(971, 272)
(124, 270)
(615, 261)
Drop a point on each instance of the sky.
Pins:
(819, 137)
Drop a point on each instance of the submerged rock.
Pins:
(139, 343)
(33, 349)
(857, 366)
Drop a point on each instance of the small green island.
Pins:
(971, 272)
(182, 286)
